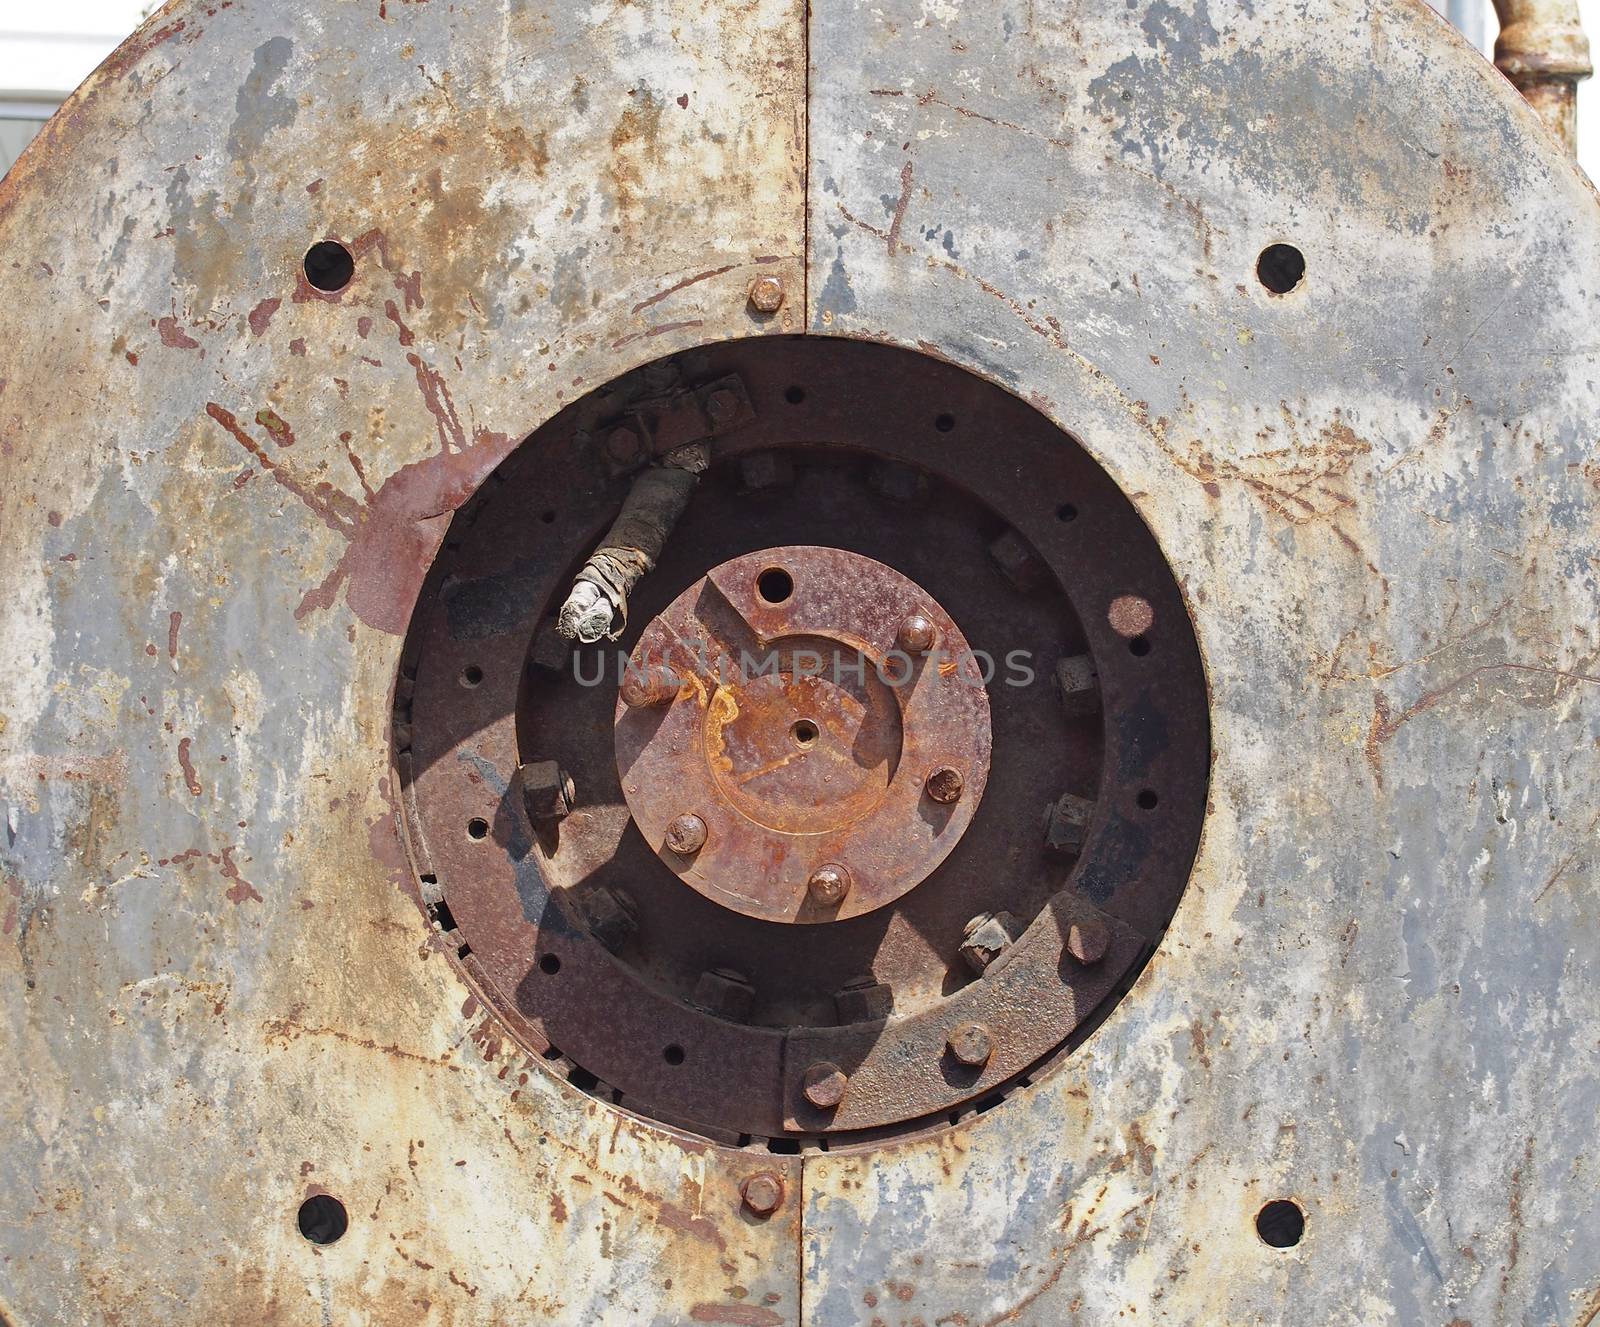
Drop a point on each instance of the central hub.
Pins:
(803, 735)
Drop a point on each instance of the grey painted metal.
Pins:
(1379, 995)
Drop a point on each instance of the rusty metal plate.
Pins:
(223, 488)
(809, 738)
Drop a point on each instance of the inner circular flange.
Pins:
(802, 734)
(555, 897)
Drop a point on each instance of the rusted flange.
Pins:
(803, 737)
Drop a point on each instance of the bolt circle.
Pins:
(828, 885)
(762, 1193)
(970, 1044)
(823, 1084)
(945, 784)
(917, 635)
(766, 294)
(686, 834)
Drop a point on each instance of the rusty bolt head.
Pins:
(985, 937)
(722, 405)
(766, 294)
(1087, 941)
(1066, 824)
(725, 993)
(644, 687)
(547, 792)
(623, 446)
(917, 635)
(828, 885)
(610, 914)
(864, 1000)
(945, 784)
(686, 834)
(970, 1044)
(762, 1193)
(824, 1083)
(1130, 616)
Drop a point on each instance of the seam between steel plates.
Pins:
(806, 6)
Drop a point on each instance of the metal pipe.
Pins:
(1542, 50)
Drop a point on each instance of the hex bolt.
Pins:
(970, 1044)
(863, 999)
(722, 405)
(686, 835)
(643, 688)
(828, 885)
(985, 938)
(917, 635)
(1066, 824)
(766, 294)
(823, 1084)
(1087, 941)
(724, 992)
(547, 793)
(945, 785)
(623, 446)
(762, 1193)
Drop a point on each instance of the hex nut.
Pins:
(986, 938)
(766, 470)
(610, 915)
(762, 1193)
(1088, 941)
(1067, 824)
(1019, 562)
(547, 792)
(725, 993)
(1077, 686)
(970, 1044)
(766, 293)
(864, 1000)
(823, 1084)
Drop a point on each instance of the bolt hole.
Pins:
(1066, 512)
(1147, 799)
(775, 585)
(1281, 1223)
(322, 1219)
(1281, 268)
(471, 676)
(329, 266)
(673, 1054)
(804, 733)
(549, 964)
(478, 828)
(1139, 645)
(944, 423)
(795, 395)
(548, 517)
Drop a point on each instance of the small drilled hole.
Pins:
(775, 585)
(323, 1219)
(1147, 799)
(471, 675)
(329, 266)
(1066, 512)
(1281, 268)
(673, 1054)
(804, 732)
(550, 965)
(1139, 645)
(478, 828)
(944, 423)
(795, 395)
(548, 517)
(1281, 1223)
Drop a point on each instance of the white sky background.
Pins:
(48, 47)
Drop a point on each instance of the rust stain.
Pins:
(186, 764)
(261, 315)
(680, 285)
(657, 330)
(174, 336)
(893, 237)
(740, 1315)
(277, 428)
(174, 623)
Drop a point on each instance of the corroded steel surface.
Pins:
(804, 736)
(222, 490)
